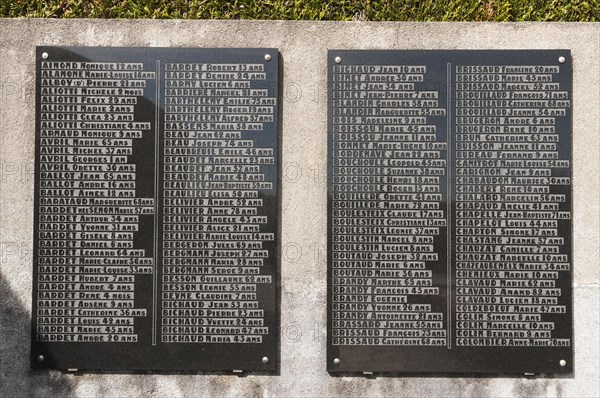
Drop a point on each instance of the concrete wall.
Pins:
(303, 46)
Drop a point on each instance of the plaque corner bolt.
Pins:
(265, 359)
(267, 57)
(40, 358)
(338, 60)
(45, 55)
(561, 60)
(562, 363)
(336, 361)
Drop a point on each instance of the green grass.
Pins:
(336, 10)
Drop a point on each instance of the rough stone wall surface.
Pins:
(303, 47)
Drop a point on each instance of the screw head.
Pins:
(338, 60)
(336, 361)
(40, 358)
(265, 359)
(561, 60)
(45, 55)
(562, 362)
(267, 57)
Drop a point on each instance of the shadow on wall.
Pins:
(18, 380)
(16, 377)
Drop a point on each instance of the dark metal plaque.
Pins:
(449, 212)
(156, 209)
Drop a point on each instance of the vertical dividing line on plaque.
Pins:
(156, 200)
(449, 203)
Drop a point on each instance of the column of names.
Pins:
(89, 211)
(509, 246)
(213, 240)
(387, 206)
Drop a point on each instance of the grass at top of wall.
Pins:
(335, 10)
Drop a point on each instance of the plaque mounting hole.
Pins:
(45, 55)
(561, 60)
(562, 362)
(40, 358)
(265, 359)
(336, 361)
(338, 60)
(267, 57)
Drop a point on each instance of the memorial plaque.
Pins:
(156, 209)
(449, 212)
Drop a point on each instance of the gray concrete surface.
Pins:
(303, 46)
